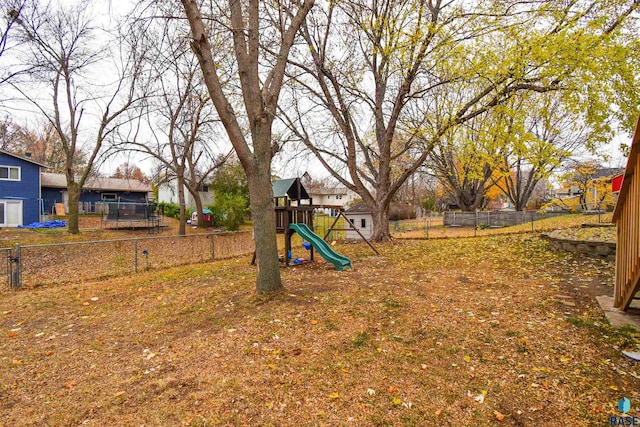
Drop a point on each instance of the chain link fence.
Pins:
(474, 224)
(50, 264)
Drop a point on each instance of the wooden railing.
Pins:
(286, 215)
(627, 219)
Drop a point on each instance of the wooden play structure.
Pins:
(294, 210)
(627, 219)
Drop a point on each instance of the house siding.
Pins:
(52, 195)
(168, 193)
(356, 220)
(27, 189)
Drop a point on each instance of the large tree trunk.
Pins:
(264, 225)
(182, 227)
(198, 201)
(380, 217)
(73, 191)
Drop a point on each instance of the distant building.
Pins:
(594, 193)
(168, 193)
(96, 190)
(338, 196)
(360, 217)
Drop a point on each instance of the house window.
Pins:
(363, 223)
(109, 197)
(10, 173)
(338, 196)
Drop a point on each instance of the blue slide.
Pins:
(340, 262)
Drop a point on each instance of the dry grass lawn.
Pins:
(432, 227)
(488, 331)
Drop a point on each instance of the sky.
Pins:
(284, 165)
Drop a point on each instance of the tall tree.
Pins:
(42, 144)
(180, 118)
(464, 160)
(397, 77)
(130, 171)
(539, 136)
(65, 52)
(251, 25)
(13, 12)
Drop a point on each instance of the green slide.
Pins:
(340, 262)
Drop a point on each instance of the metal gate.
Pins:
(12, 266)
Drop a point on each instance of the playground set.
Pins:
(294, 214)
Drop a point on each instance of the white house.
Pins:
(337, 196)
(360, 217)
(168, 193)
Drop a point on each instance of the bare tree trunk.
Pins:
(73, 191)
(198, 201)
(264, 225)
(182, 228)
(380, 224)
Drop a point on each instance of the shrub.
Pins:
(172, 210)
(398, 211)
(229, 210)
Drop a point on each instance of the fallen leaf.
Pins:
(392, 389)
(11, 334)
(314, 322)
(438, 412)
(396, 401)
(71, 384)
(119, 393)
(17, 362)
(334, 395)
(48, 353)
(371, 392)
(499, 416)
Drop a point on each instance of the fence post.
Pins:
(475, 226)
(16, 278)
(135, 256)
(428, 223)
(213, 249)
(532, 215)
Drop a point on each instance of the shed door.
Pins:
(10, 213)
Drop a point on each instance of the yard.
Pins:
(488, 331)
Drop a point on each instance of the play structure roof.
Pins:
(290, 187)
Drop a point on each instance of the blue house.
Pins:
(20, 197)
